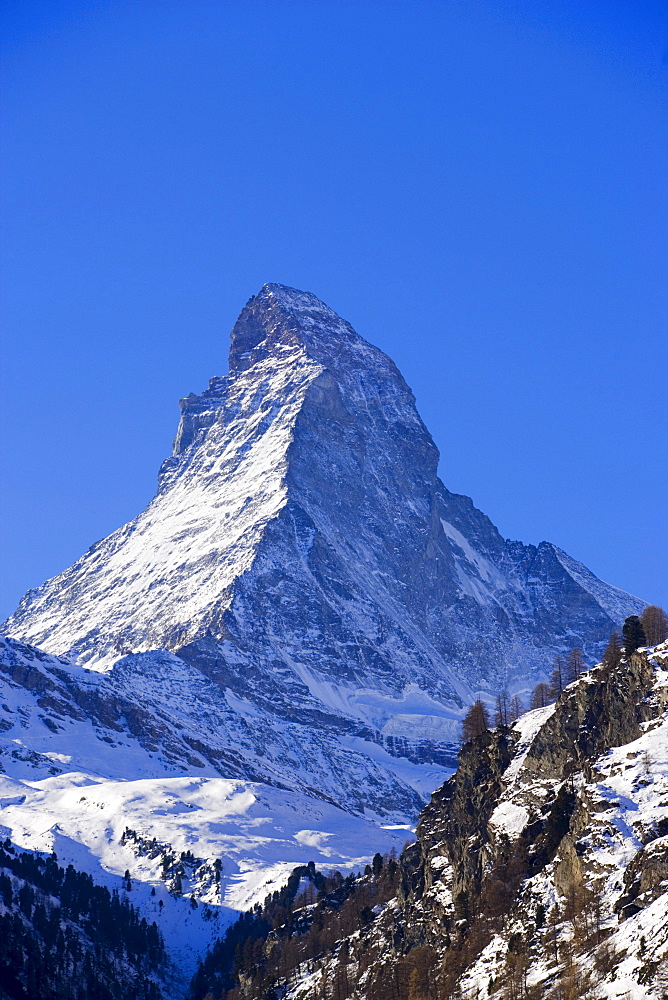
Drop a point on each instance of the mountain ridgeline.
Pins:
(267, 670)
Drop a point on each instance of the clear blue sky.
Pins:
(479, 187)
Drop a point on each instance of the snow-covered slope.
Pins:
(609, 876)
(303, 551)
(86, 757)
(269, 664)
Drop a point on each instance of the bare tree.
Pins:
(655, 624)
(575, 666)
(557, 678)
(552, 932)
(501, 713)
(540, 696)
(613, 654)
(516, 709)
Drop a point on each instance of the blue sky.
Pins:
(479, 187)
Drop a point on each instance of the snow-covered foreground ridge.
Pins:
(581, 810)
(302, 550)
(540, 869)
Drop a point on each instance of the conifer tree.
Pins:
(476, 721)
(575, 666)
(634, 634)
(557, 678)
(612, 657)
(540, 696)
(516, 709)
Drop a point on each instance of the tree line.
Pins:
(297, 928)
(648, 629)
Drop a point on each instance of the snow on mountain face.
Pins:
(302, 553)
(268, 665)
(87, 756)
(154, 714)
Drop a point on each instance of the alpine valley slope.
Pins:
(158, 778)
(302, 553)
(540, 872)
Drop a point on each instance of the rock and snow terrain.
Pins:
(85, 758)
(540, 870)
(269, 664)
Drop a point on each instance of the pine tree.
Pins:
(476, 721)
(654, 621)
(634, 634)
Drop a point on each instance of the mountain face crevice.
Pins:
(301, 526)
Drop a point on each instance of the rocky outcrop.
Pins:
(541, 866)
(646, 878)
(455, 822)
(606, 711)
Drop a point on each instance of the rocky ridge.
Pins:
(540, 869)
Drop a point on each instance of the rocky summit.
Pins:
(302, 552)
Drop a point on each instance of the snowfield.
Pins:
(75, 784)
(259, 834)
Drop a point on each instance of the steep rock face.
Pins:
(154, 714)
(453, 825)
(302, 549)
(523, 781)
(564, 818)
(536, 875)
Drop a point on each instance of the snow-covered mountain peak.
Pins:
(301, 531)
(280, 318)
(300, 616)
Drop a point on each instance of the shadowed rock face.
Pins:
(302, 551)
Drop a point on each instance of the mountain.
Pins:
(147, 770)
(540, 871)
(269, 665)
(302, 553)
